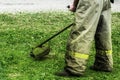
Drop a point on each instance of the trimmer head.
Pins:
(43, 49)
(40, 52)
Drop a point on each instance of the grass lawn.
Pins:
(20, 32)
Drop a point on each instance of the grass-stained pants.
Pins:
(92, 22)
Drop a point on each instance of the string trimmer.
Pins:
(43, 48)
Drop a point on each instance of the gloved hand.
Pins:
(71, 8)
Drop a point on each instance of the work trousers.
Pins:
(92, 22)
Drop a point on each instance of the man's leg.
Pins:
(82, 34)
(103, 59)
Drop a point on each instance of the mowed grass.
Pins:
(20, 32)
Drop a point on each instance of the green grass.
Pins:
(20, 32)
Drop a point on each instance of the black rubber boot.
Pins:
(104, 69)
(65, 73)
